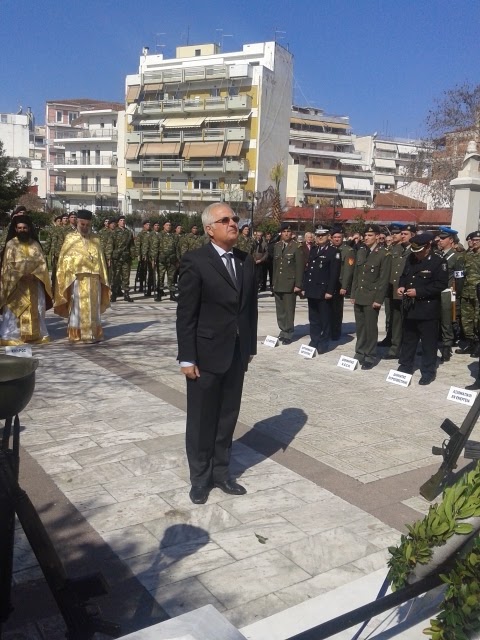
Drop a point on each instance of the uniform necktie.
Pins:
(231, 271)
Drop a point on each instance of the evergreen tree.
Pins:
(11, 185)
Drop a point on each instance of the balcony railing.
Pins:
(179, 195)
(85, 188)
(209, 72)
(203, 104)
(86, 133)
(221, 165)
(188, 135)
(86, 162)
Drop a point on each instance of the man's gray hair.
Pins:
(208, 215)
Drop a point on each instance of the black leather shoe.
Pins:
(403, 369)
(127, 298)
(467, 348)
(427, 379)
(367, 365)
(386, 342)
(285, 341)
(199, 495)
(231, 487)
(390, 356)
(113, 298)
(475, 386)
(476, 351)
(446, 354)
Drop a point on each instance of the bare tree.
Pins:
(452, 122)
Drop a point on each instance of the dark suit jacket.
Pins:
(429, 277)
(322, 272)
(212, 311)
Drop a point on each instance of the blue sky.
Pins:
(382, 62)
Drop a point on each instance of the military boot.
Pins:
(468, 347)
(475, 386)
(127, 298)
(113, 298)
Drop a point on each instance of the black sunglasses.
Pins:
(227, 219)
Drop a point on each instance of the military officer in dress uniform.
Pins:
(424, 277)
(319, 283)
(449, 327)
(288, 267)
(369, 288)
(344, 284)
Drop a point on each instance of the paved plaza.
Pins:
(332, 461)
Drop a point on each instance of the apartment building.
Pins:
(393, 161)
(325, 166)
(24, 145)
(206, 126)
(82, 153)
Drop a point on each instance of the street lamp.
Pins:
(180, 205)
(251, 197)
(335, 203)
(316, 207)
(64, 202)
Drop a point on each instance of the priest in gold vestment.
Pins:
(25, 291)
(82, 293)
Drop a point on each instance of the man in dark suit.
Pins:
(319, 282)
(217, 338)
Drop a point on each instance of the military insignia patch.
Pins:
(351, 262)
(444, 266)
(337, 256)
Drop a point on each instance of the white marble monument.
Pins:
(466, 203)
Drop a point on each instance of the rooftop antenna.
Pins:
(278, 34)
(159, 45)
(221, 36)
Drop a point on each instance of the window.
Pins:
(59, 116)
(154, 184)
(86, 157)
(97, 156)
(198, 52)
(204, 184)
(102, 125)
(72, 115)
(4, 118)
(84, 183)
(233, 91)
(113, 181)
(114, 123)
(215, 93)
(29, 176)
(98, 183)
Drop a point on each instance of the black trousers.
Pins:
(213, 405)
(319, 316)
(413, 332)
(337, 315)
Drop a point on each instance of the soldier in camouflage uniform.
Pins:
(123, 250)
(245, 242)
(103, 234)
(447, 238)
(344, 282)
(145, 270)
(469, 306)
(191, 241)
(369, 288)
(167, 257)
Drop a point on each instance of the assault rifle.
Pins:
(450, 450)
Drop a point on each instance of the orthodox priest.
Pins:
(25, 291)
(82, 293)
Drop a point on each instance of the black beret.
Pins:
(373, 228)
(145, 222)
(473, 234)
(19, 209)
(84, 214)
(286, 226)
(418, 242)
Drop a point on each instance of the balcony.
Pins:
(87, 134)
(79, 188)
(191, 105)
(197, 73)
(179, 195)
(178, 165)
(81, 163)
(188, 135)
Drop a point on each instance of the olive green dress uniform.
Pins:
(122, 254)
(448, 314)
(370, 284)
(393, 302)
(469, 306)
(288, 268)
(347, 256)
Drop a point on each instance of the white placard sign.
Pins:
(307, 352)
(270, 341)
(347, 363)
(397, 377)
(462, 396)
(25, 351)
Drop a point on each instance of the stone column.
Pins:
(466, 203)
